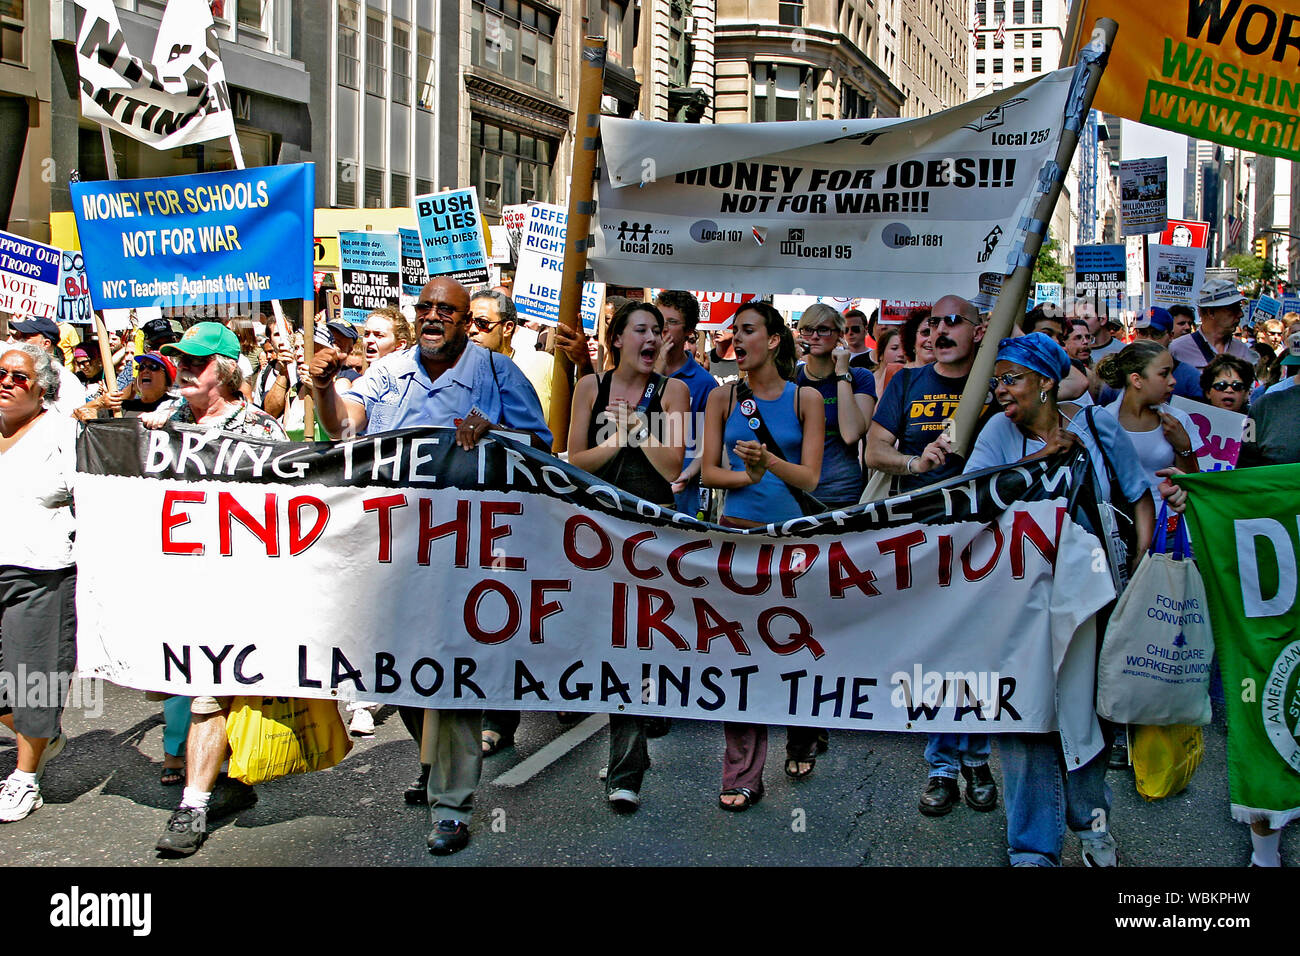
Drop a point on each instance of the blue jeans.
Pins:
(948, 753)
(1042, 799)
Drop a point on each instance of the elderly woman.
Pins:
(155, 374)
(38, 579)
(1041, 798)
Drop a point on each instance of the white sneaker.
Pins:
(53, 747)
(362, 723)
(625, 799)
(17, 800)
(1099, 849)
(602, 773)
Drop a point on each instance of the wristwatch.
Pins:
(845, 377)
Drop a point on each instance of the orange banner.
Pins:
(1218, 70)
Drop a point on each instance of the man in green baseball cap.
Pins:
(203, 339)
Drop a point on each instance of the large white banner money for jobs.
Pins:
(830, 207)
(504, 578)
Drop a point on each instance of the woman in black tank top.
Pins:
(629, 429)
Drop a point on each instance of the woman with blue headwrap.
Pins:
(1040, 797)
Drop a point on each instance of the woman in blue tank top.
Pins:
(756, 479)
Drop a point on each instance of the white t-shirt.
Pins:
(72, 394)
(36, 479)
(1153, 449)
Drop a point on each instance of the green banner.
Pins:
(1246, 529)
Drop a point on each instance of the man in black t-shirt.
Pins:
(912, 414)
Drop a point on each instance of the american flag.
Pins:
(975, 23)
(1234, 230)
(1002, 31)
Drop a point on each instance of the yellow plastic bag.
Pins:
(274, 737)
(1164, 758)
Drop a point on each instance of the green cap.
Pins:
(205, 338)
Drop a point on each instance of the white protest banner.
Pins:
(1220, 429)
(830, 206)
(74, 289)
(372, 272)
(1177, 273)
(504, 578)
(29, 277)
(540, 268)
(502, 248)
(514, 218)
(1144, 187)
(1135, 267)
(451, 235)
(178, 98)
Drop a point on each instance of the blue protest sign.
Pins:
(451, 235)
(235, 237)
(414, 274)
(29, 277)
(1266, 307)
(1099, 273)
(371, 267)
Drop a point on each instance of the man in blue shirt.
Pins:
(681, 312)
(446, 380)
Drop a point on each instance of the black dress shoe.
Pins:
(981, 791)
(940, 796)
(417, 794)
(447, 837)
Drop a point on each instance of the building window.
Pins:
(399, 187)
(374, 188)
(999, 44)
(401, 62)
(1018, 41)
(784, 93)
(980, 39)
(375, 55)
(979, 65)
(264, 24)
(790, 13)
(1018, 12)
(980, 12)
(12, 24)
(348, 56)
(515, 39)
(509, 167)
(999, 10)
(1019, 64)
(855, 105)
(345, 185)
(423, 187)
(1038, 11)
(1036, 41)
(997, 65)
(1036, 64)
(425, 78)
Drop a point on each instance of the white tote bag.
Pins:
(1155, 659)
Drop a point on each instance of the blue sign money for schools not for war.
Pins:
(207, 239)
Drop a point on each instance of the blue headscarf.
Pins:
(1037, 352)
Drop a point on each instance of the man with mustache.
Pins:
(208, 379)
(912, 414)
(451, 382)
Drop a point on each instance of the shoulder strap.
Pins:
(798, 409)
(1204, 346)
(1088, 414)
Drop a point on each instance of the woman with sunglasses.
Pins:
(758, 480)
(1162, 436)
(1040, 797)
(1225, 382)
(629, 429)
(38, 579)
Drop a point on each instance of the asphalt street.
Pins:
(541, 804)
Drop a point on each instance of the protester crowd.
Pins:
(747, 424)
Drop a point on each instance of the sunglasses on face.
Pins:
(854, 329)
(1006, 378)
(948, 321)
(1229, 386)
(484, 325)
(444, 309)
(20, 379)
(821, 331)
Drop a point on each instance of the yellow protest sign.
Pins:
(1218, 70)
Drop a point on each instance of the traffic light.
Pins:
(1261, 247)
